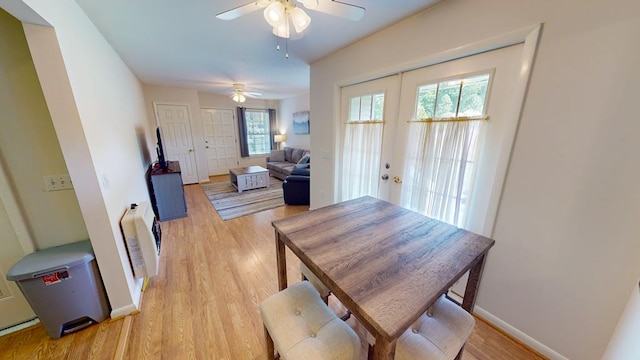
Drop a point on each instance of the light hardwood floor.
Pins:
(204, 302)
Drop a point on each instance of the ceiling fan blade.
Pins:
(239, 11)
(337, 8)
(252, 94)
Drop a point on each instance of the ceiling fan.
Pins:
(240, 96)
(331, 7)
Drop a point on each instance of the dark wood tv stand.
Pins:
(166, 191)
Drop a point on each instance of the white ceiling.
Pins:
(181, 43)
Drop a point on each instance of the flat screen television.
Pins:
(162, 161)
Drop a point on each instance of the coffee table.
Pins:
(250, 177)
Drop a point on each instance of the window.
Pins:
(454, 98)
(256, 127)
(258, 134)
(362, 146)
(443, 147)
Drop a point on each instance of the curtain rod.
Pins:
(365, 122)
(450, 119)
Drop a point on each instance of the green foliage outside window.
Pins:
(453, 98)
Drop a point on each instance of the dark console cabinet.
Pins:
(166, 192)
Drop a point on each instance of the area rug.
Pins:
(230, 204)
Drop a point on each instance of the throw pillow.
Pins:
(303, 166)
(287, 153)
(305, 159)
(297, 155)
(276, 155)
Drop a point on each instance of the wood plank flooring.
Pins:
(204, 302)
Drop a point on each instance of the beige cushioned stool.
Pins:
(301, 326)
(440, 336)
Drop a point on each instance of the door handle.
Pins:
(397, 180)
(190, 150)
(385, 177)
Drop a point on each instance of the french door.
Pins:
(369, 112)
(414, 164)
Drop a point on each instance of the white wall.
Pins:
(98, 112)
(624, 343)
(285, 121)
(29, 146)
(566, 239)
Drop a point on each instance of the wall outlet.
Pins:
(57, 182)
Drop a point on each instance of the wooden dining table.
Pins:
(385, 263)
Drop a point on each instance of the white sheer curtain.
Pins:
(361, 159)
(438, 176)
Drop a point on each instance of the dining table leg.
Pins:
(282, 263)
(384, 349)
(470, 292)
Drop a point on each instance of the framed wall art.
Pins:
(301, 122)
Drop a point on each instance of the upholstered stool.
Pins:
(300, 326)
(439, 334)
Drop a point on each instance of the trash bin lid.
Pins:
(44, 261)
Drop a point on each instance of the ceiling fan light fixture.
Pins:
(300, 19)
(238, 97)
(310, 4)
(275, 13)
(281, 30)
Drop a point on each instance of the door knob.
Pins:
(385, 177)
(190, 150)
(397, 180)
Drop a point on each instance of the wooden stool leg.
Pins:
(269, 342)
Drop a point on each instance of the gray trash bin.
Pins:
(63, 286)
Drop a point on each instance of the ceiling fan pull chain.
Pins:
(277, 43)
(286, 44)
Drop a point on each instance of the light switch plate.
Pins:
(57, 182)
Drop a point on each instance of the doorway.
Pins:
(220, 138)
(175, 126)
(14, 308)
(396, 170)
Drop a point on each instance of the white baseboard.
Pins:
(130, 308)
(124, 311)
(517, 334)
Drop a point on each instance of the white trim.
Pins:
(15, 214)
(518, 36)
(520, 90)
(517, 334)
(124, 311)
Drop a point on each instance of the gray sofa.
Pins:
(281, 163)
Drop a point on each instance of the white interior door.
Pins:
(368, 117)
(14, 308)
(175, 126)
(220, 140)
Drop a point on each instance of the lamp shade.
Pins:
(275, 13)
(279, 138)
(238, 97)
(282, 30)
(300, 19)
